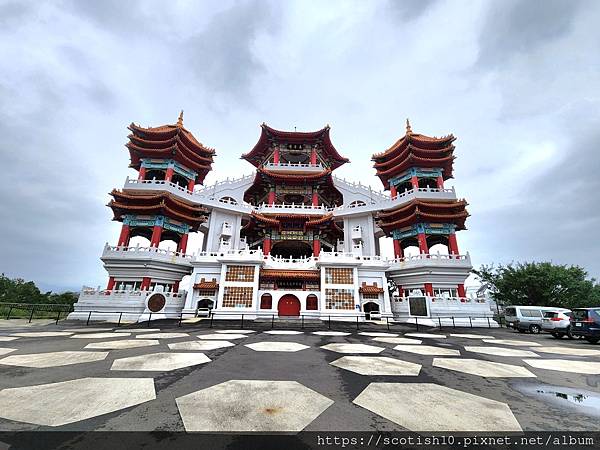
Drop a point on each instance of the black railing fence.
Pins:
(32, 311)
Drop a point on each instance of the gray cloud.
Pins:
(410, 9)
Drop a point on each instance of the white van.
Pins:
(527, 318)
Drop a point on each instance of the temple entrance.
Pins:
(288, 305)
(293, 249)
(370, 307)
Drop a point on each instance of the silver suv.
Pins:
(558, 323)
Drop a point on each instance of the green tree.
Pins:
(540, 284)
(17, 290)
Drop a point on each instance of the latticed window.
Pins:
(445, 293)
(339, 298)
(206, 293)
(240, 273)
(338, 275)
(237, 297)
(371, 296)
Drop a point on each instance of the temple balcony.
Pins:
(356, 233)
(432, 261)
(230, 256)
(276, 262)
(112, 252)
(292, 208)
(350, 258)
(294, 167)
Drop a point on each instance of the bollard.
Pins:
(417, 322)
(211, 319)
(89, 316)
(272, 320)
(119, 322)
(453, 323)
(387, 321)
(242, 325)
(149, 319)
(180, 317)
(489, 325)
(330, 322)
(440, 322)
(9, 311)
(31, 315)
(303, 322)
(470, 322)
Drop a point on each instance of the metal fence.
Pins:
(34, 310)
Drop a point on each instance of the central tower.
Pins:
(294, 193)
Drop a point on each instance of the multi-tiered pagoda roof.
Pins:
(415, 150)
(170, 142)
(430, 211)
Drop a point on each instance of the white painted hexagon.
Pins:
(160, 362)
(512, 342)
(428, 350)
(483, 368)
(397, 340)
(566, 365)
(501, 351)
(569, 351)
(200, 345)
(235, 331)
(284, 332)
(377, 365)
(42, 334)
(162, 336)
(353, 348)
(330, 333)
(277, 346)
(218, 337)
(6, 351)
(377, 334)
(471, 336)
(431, 407)
(99, 335)
(56, 404)
(138, 330)
(125, 343)
(251, 405)
(426, 335)
(8, 338)
(53, 359)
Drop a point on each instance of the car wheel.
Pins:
(592, 340)
(570, 333)
(535, 329)
(558, 335)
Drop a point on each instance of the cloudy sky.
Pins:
(516, 81)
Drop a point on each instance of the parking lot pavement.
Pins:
(173, 378)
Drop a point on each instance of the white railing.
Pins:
(361, 187)
(278, 262)
(292, 208)
(225, 182)
(294, 166)
(115, 251)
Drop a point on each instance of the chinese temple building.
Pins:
(290, 240)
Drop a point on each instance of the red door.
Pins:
(288, 305)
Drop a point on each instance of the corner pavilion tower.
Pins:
(291, 239)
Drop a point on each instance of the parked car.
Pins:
(586, 323)
(527, 318)
(558, 323)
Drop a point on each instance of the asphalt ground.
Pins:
(556, 408)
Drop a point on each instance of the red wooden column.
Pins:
(415, 182)
(429, 289)
(315, 198)
(398, 253)
(145, 284)
(191, 185)
(452, 244)
(440, 182)
(156, 234)
(461, 292)
(313, 156)
(176, 286)
(276, 156)
(271, 197)
(423, 249)
(182, 246)
(316, 247)
(124, 236)
(142, 173)
(169, 174)
(111, 284)
(393, 191)
(266, 246)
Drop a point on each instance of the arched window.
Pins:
(312, 302)
(266, 301)
(356, 203)
(230, 200)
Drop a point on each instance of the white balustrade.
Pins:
(114, 251)
(285, 166)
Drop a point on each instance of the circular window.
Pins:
(156, 302)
